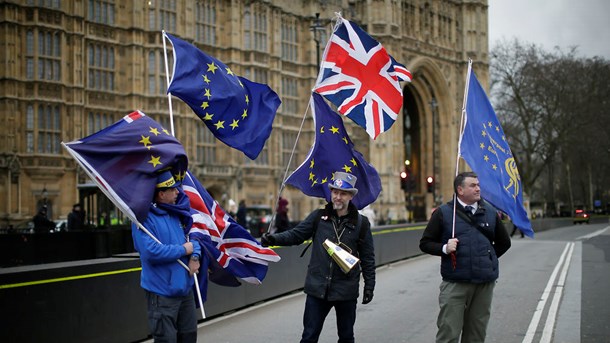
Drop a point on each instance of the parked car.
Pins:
(258, 218)
(580, 216)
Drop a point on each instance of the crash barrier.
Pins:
(21, 247)
(101, 300)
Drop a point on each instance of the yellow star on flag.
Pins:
(155, 161)
(208, 116)
(229, 71)
(347, 168)
(145, 141)
(154, 131)
(311, 164)
(205, 105)
(220, 124)
(354, 162)
(245, 114)
(311, 176)
(180, 176)
(212, 67)
(334, 129)
(207, 93)
(234, 124)
(205, 79)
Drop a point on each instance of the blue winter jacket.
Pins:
(161, 272)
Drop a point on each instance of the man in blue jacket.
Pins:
(469, 260)
(172, 316)
(326, 284)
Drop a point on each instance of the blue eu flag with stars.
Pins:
(334, 151)
(125, 159)
(484, 147)
(239, 112)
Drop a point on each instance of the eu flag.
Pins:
(239, 112)
(484, 147)
(334, 151)
(125, 158)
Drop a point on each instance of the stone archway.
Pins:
(431, 142)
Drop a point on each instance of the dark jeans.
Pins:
(317, 309)
(172, 320)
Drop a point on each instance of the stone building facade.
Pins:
(71, 68)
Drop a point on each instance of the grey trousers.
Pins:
(464, 308)
(172, 320)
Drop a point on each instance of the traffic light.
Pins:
(430, 183)
(404, 181)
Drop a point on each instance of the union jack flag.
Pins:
(229, 251)
(359, 77)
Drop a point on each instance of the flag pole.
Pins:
(338, 18)
(463, 120)
(462, 125)
(169, 95)
(283, 184)
(171, 121)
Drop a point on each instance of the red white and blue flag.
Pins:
(230, 252)
(359, 77)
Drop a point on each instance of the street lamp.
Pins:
(45, 195)
(316, 27)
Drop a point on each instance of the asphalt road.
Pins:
(554, 288)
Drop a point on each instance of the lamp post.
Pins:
(316, 27)
(45, 195)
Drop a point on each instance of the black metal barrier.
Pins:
(101, 300)
(25, 248)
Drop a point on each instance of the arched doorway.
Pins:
(412, 138)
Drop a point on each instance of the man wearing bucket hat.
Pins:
(172, 316)
(327, 285)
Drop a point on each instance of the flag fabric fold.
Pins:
(484, 147)
(359, 77)
(334, 151)
(239, 112)
(231, 253)
(125, 158)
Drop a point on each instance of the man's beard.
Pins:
(338, 206)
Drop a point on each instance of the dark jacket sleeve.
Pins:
(366, 252)
(300, 233)
(501, 239)
(430, 242)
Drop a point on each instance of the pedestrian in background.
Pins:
(241, 214)
(76, 219)
(282, 223)
(43, 224)
(469, 260)
(326, 284)
(172, 315)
